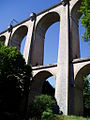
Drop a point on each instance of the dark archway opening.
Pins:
(2, 39)
(40, 85)
(49, 86)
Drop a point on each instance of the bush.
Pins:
(48, 114)
(42, 107)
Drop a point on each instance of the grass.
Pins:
(63, 117)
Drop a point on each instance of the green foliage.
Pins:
(42, 106)
(13, 67)
(48, 114)
(85, 21)
(86, 92)
(15, 78)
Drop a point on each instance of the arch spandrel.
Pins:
(18, 36)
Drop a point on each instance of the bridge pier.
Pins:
(62, 79)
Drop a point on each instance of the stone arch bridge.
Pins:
(70, 68)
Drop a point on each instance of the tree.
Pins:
(86, 95)
(85, 21)
(42, 106)
(15, 78)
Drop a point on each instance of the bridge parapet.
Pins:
(80, 60)
(44, 66)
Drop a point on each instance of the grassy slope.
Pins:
(62, 117)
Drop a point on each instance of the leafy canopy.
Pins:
(86, 92)
(15, 78)
(13, 66)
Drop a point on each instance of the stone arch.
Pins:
(2, 39)
(78, 89)
(74, 23)
(18, 36)
(43, 24)
(75, 9)
(37, 83)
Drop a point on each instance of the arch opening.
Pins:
(2, 39)
(39, 43)
(49, 86)
(80, 49)
(19, 37)
(51, 44)
(22, 45)
(78, 90)
(41, 85)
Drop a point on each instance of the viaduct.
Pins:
(69, 69)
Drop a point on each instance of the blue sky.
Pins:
(21, 9)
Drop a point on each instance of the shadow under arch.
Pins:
(37, 83)
(2, 39)
(18, 36)
(42, 26)
(78, 89)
